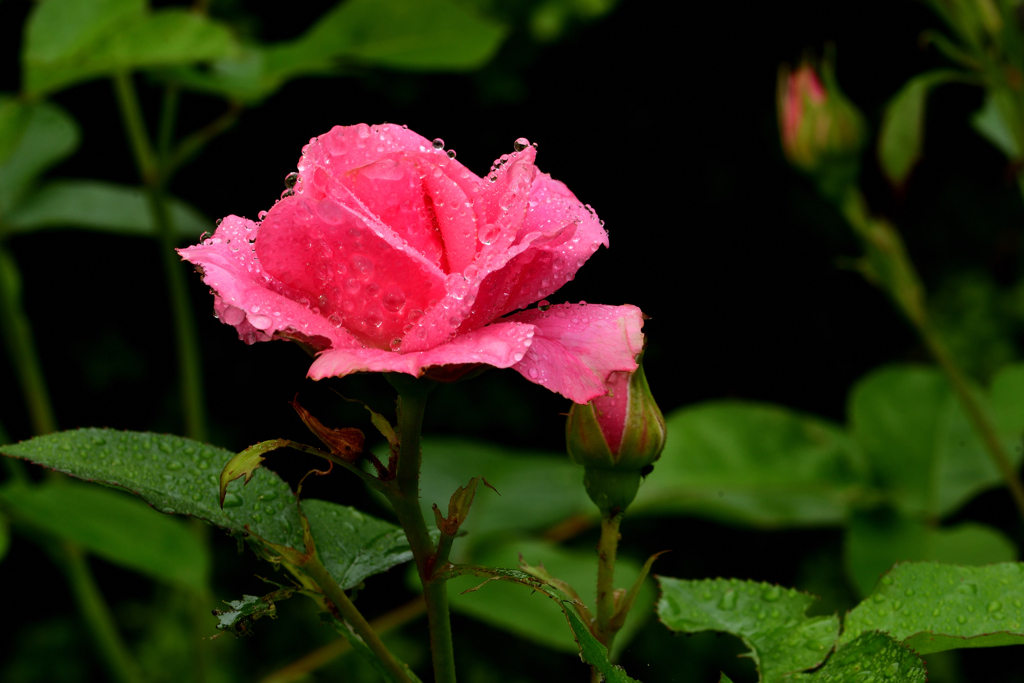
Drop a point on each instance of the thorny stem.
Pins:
(885, 253)
(405, 499)
(21, 347)
(302, 667)
(354, 617)
(153, 174)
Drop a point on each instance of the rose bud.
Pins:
(616, 437)
(822, 132)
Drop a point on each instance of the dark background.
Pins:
(662, 117)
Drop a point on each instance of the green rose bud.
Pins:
(615, 437)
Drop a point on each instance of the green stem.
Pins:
(301, 668)
(352, 615)
(21, 347)
(890, 268)
(98, 619)
(405, 499)
(606, 550)
(154, 178)
(981, 421)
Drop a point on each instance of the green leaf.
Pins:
(245, 464)
(514, 609)
(925, 453)
(933, 607)
(877, 540)
(902, 131)
(412, 35)
(173, 474)
(537, 490)
(991, 122)
(69, 41)
(101, 206)
(752, 463)
(178, 475)
(244, 612)
(119, 528)
(352, 545)
(36, 137)
(770, 620)
(593, 652)
(870, 657)
(724, 679)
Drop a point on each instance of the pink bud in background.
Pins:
(822, 133)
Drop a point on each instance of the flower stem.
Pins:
(606, 549)
(152, 172)
(405, 499)
(348, 611)
(21, 347)
(889, 267)
(301, 668)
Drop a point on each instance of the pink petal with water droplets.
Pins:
(501, 345)
(248, 299)
(346, 147)
(453, 215)
(354, 268)
(576, 347)
(557, 237)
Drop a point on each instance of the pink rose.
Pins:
(389, 256)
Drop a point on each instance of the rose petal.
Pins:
(577, 346)
(248, 298)
(501, 345)
(611, 409)
(346, 147)
(355, 270)
(558, 236)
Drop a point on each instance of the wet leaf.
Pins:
(171, 473)
(352, 545)
(105, 207)
(877, 540)
(769, 619)
(114, 526)
(932, 607)
(753, 463)
(870, 656)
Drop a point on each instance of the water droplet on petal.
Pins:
(520, 144)
(262, 215)
(438, 143)
(451, 154)
(290, 180)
